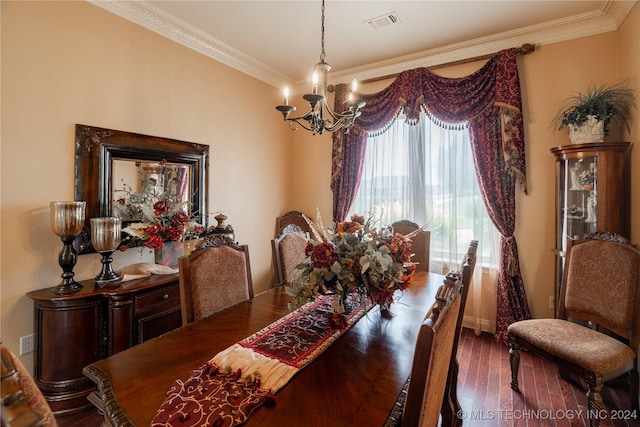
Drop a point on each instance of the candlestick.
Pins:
(67, 220)
(106, 235)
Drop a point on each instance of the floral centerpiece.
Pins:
(357, 258)
(158, 213)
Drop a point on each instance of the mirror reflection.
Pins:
(143, 177)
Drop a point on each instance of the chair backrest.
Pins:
(600, 284)
(215, 276)
(420, 242)
(291, 217)
(466, 274)
(288, 252)
(431, 359)
(22, 400)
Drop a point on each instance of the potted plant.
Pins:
(589, 115)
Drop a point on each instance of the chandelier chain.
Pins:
(322, 54)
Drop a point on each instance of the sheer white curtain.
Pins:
(425, 173)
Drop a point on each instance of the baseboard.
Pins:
(484, 324)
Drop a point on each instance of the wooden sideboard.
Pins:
(75, 330)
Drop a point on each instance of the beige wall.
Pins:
(72, 62)
(548, 76)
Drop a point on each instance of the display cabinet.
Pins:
(80, 328)
(592, 190)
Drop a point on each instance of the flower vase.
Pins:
(169, 253)
(347, 304)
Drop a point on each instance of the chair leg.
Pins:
(453, 397)
(594, 399)
(634, 383)
(450, 404)
(514, 359)
(564, 372)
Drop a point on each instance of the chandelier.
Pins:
(320, 116)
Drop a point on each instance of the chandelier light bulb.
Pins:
(314, 83)
(354, 86)
(286, 95)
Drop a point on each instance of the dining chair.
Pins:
(596, 329)
(291, 217)
(451, 404)
(215, 276)
(431, 359)
(22, 401)
(289, 251)
(420, 242)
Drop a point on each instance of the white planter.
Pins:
(590, 131)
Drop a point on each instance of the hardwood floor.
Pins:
(544, 399)
(486, 397)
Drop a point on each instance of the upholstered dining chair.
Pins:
(288, 252)
(596, 330)
(420, 242)
(431, 359)
(291, 217)
(23, 404)
(451, 404)
(215, 276)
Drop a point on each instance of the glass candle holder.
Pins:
(67, 221)
(106, 235)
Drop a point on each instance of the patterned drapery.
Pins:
(489, 103)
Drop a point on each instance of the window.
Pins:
(426, 173)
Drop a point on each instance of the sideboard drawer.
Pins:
(158, 298)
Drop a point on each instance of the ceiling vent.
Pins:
(383, 21)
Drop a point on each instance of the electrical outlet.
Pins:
(26, 344)
(552, 303)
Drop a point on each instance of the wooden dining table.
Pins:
(355, 381)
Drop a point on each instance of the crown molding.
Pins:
(608, 18)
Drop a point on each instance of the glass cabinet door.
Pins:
(578, 194)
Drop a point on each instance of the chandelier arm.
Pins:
(306, 116)
(344, 121)
(342, 116)
(293, 122)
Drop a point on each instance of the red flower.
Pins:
(347, 227)
(154, 230)
(161, 207)
(324, 255)
(154, 242)
(180, 218)
(174, 233)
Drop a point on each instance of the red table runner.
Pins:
(236, 381)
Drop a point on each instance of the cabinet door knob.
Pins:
(165, 296)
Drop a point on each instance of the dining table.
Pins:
(355, 381)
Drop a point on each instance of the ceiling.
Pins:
(279, 41)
